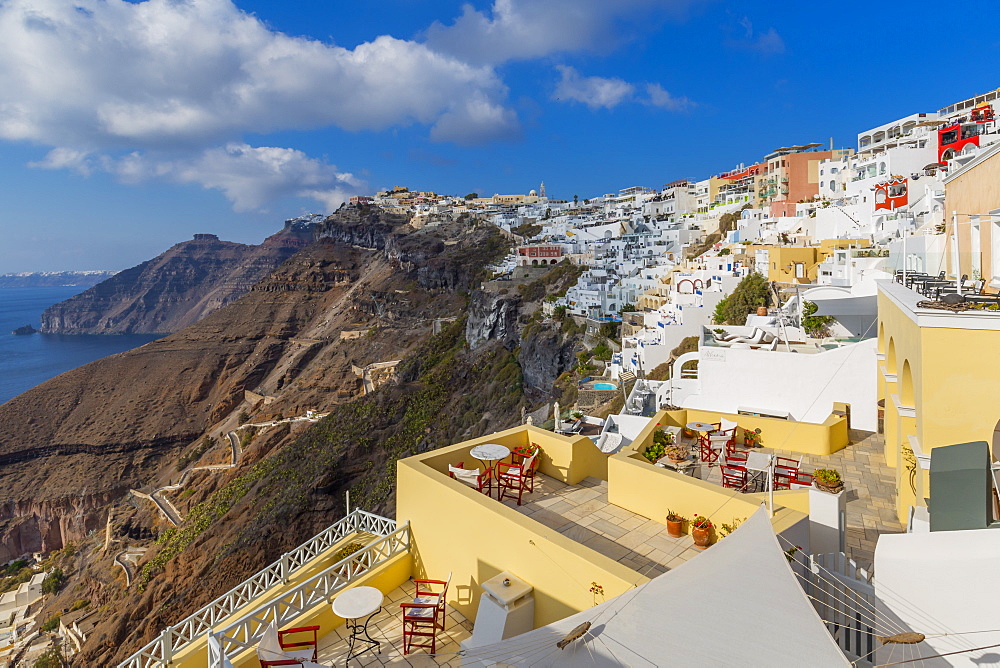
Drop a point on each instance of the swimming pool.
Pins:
(604, 386)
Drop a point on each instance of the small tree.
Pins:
(53, 582)
(752, 292)
(719, 314)
(816, 326)
(472, 196)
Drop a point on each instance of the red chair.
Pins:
(517, 477)
(736, 457)
(734, 477)
(801, 480)
(425, 616)
(274, 650)
(785, 470)
(715, 444)
(703, 438)
(481, 481)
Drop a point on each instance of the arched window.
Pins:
(890, 358)
(906, 385)
(881, 168)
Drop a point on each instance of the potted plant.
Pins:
(677, 452)
(701, 531)
(751, 438)
(675, 524)
(828, 480)
(654, 451)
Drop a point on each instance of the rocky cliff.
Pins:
(175, 289)
(369, 289)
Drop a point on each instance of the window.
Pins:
(881, 168)
(800, 270)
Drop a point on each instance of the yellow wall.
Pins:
(976, 191)
(948, 386)
(650, 491)
(566, 458)
(806, 437)
(456, 529)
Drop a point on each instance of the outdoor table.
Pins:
(700, 426)
(353, 605)
(487, 453)
(759, 463)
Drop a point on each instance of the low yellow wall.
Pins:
(636, 485)
(566, 458)
(456, 529)
(808, 438)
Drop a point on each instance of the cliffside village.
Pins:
(808, 481)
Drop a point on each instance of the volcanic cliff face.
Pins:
(175, 289)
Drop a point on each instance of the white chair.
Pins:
(269, 649)
(471, 477)
(727, 425)
(755, 337)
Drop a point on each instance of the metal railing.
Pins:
(160, 651)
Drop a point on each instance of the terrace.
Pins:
(591, 518)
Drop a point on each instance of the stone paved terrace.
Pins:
(871, 490)
(582, 513)
(387, 627)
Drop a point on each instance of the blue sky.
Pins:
(126, 127)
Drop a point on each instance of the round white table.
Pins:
(353, 605)
(487, 453)
(700, 426)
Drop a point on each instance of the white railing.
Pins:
(160, 652)
(247, 631)
(843, 596)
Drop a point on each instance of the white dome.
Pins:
(532, 193)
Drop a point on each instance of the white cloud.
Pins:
(250, 177)
(167, 81)
(657, 96)
(595, 92)
(109, 73)
(524, 29)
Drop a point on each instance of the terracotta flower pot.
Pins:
(675, 529)
(701, 537)
(762, 310)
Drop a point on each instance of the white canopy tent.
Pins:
(737, 604)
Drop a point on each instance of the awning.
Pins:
(736, 604)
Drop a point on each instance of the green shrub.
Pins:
(753, 291)
(52, 623)
(53, 582)
(79, 604)
(816, 326)
(602, 352)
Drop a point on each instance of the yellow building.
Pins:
(937, 381)
(797, 264)
(972, 218)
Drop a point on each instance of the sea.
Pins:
(27, 360)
